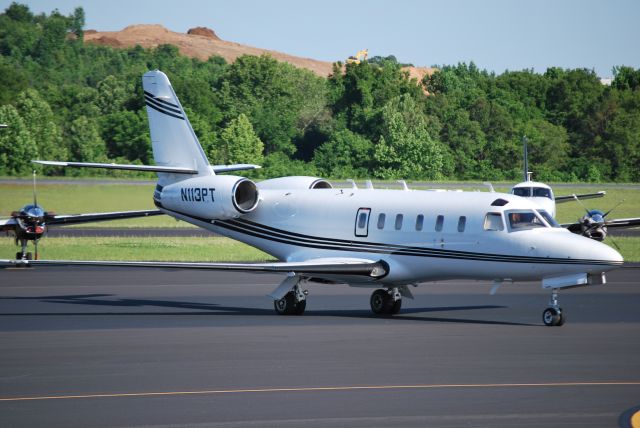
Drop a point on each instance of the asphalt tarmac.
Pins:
(98, 347)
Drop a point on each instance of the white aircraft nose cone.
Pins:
(610, 254)
(595, 250)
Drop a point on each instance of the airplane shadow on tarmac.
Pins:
(212, 309)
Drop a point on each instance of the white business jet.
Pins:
(379, 238)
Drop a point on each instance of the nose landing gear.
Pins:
(553, 316)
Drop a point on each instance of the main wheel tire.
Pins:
(552, 317)
(381, 302)
(18, 255)
(29, 256)
(286, 305)
(563, 318)
(395, 308)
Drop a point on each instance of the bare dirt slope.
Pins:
(195, 45)
(202, 42)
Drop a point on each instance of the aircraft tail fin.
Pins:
(173, 140)
(176, 149)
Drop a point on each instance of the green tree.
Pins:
(239, 143)
(626, 78)
(77, 23)
(126, 134)
(112, 94)
(345, 155)
(17, 147)
(85, 144)
(548, 149)
(12, 82)
(40, 121)
(405, 149)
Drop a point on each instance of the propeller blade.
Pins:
(616, 206)
(613, 241)
(580, 202)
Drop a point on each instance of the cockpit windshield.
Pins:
(552, 221)
(521, 191)
(536, 192)
(524, 219)
(32, 211)
(541, 192)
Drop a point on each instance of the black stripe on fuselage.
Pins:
(392, 248)
(296, 239)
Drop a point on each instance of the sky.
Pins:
(497, 35)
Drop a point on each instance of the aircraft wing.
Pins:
(561, 199)
(320, 267)
(617, 223)
(60, 220)
(623, 222)
(7, 224)
(572, 227)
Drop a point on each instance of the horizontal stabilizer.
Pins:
(560, 199)
(237, 167)
(149, 168)
(92, 217)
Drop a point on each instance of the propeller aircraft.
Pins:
(592, 225)
(31, 222)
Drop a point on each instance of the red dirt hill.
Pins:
(202, 42)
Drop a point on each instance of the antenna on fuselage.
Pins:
(368, 185)
(403, 184)
(527, 174)
(353, 184)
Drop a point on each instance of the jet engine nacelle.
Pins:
(294, 183)
(217, 197)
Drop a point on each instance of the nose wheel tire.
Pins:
(553, 317)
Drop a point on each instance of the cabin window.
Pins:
(439, 223)
(462, 221)
(399, 221)
(362, 220)
(493, 221)
(381, 219)
(524, 219)
(419, 222)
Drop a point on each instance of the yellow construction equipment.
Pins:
(360, 56)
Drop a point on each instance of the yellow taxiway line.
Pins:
(636, 417)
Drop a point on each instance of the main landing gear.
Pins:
(386, 302)
(293, 303)
(553, 315)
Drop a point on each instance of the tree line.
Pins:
(67, 100)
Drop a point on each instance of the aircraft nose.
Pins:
(611, 254)
(602, 252)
